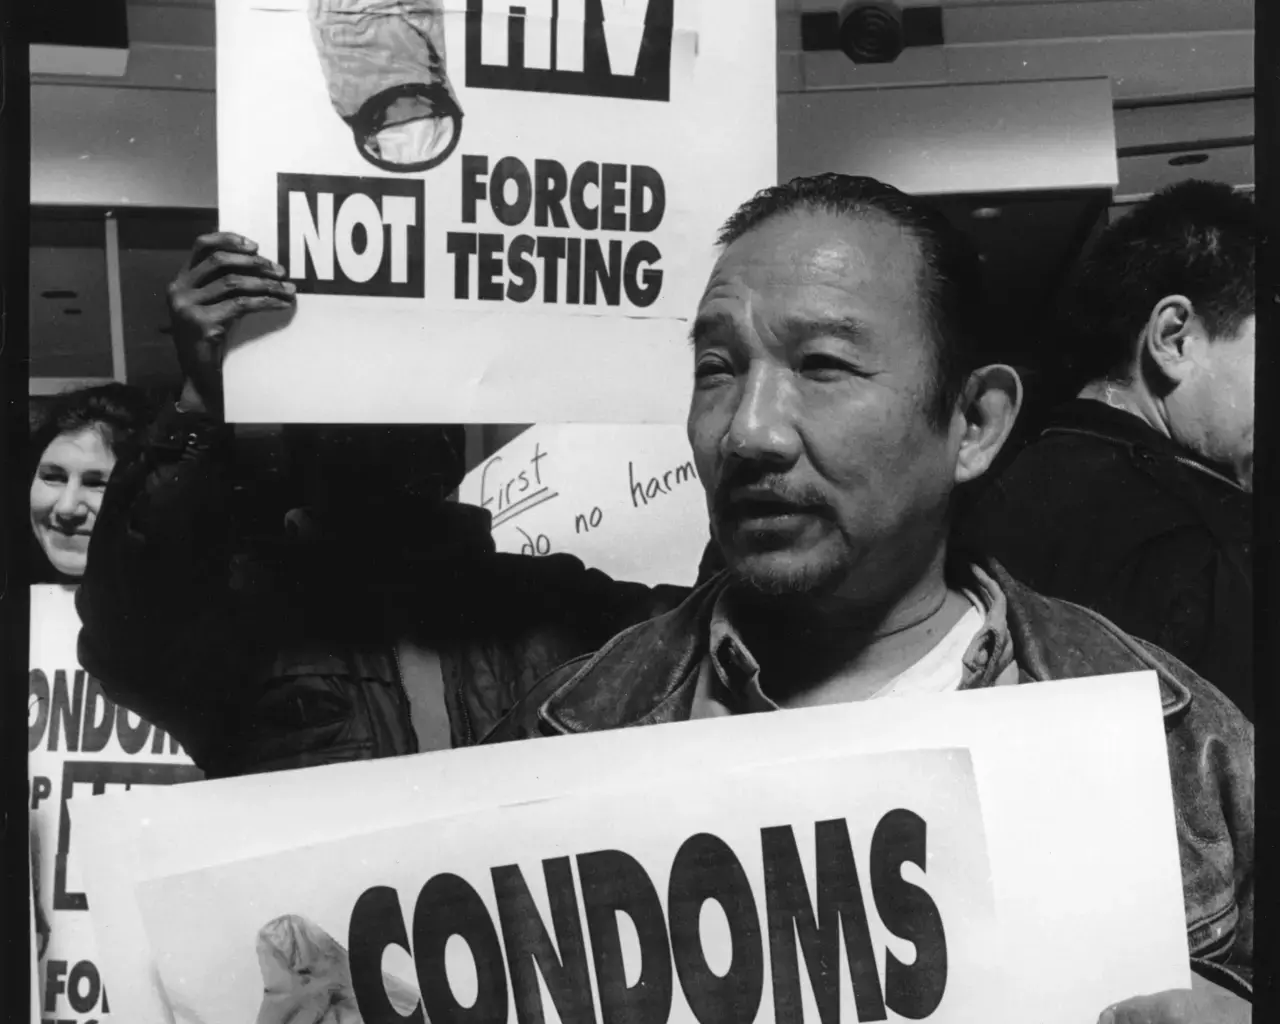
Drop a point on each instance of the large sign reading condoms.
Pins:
(922, 858)
(775, 895)
(492, 211)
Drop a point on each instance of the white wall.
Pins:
(1025, 136)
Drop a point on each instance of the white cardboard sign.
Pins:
(1072, 779)
(754, 896)
(493, 211)
(80, 744)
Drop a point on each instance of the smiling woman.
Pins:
(74, 446)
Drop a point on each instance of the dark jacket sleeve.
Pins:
(157, 613)
(516, 618)
(1228, 758)
(1146, 562)
(1182, 592)
(1213, 772)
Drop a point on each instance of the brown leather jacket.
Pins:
(260, 656)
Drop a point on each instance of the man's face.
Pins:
(813, 383)
(1211, 410)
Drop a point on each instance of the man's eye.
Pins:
(711, 369)
(824, 366)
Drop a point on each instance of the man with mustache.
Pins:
(840, 401)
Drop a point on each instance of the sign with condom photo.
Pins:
(775, 895)
(492, 210)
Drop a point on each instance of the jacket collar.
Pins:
(647, 674)
(986, 659)
(1096, 419)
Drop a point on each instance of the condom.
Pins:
(306, 977)
(384, 65)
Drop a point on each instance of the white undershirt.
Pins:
(942, 669)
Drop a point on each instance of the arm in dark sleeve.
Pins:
(1181, 592)
(1229, 763)
(511, 619)
(154, 601)
(559, 590)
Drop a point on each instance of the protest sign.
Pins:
(493, 211)
(656, 905)
(624, 498)
(79, 743)
(1058, 765)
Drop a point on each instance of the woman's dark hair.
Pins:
(119, 412)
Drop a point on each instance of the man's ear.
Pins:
(989, 406)
(1173, 322)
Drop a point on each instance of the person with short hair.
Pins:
(841, 398)
(76, 439)
(1135, 497)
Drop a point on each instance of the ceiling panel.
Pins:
(1148, 48)
(1140, 67)
(1184, 123)
(1072, 19)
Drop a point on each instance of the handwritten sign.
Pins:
(79, 744)
(489, 208)
(625, 499)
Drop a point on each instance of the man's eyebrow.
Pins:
(710, 323)
(799, 329)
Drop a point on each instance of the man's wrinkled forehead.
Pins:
(816, 257)
(814, 264)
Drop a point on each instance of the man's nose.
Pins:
(763, 426)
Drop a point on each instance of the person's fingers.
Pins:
(231, 309)
(222, 288)
(223, 261)
(227, 241)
